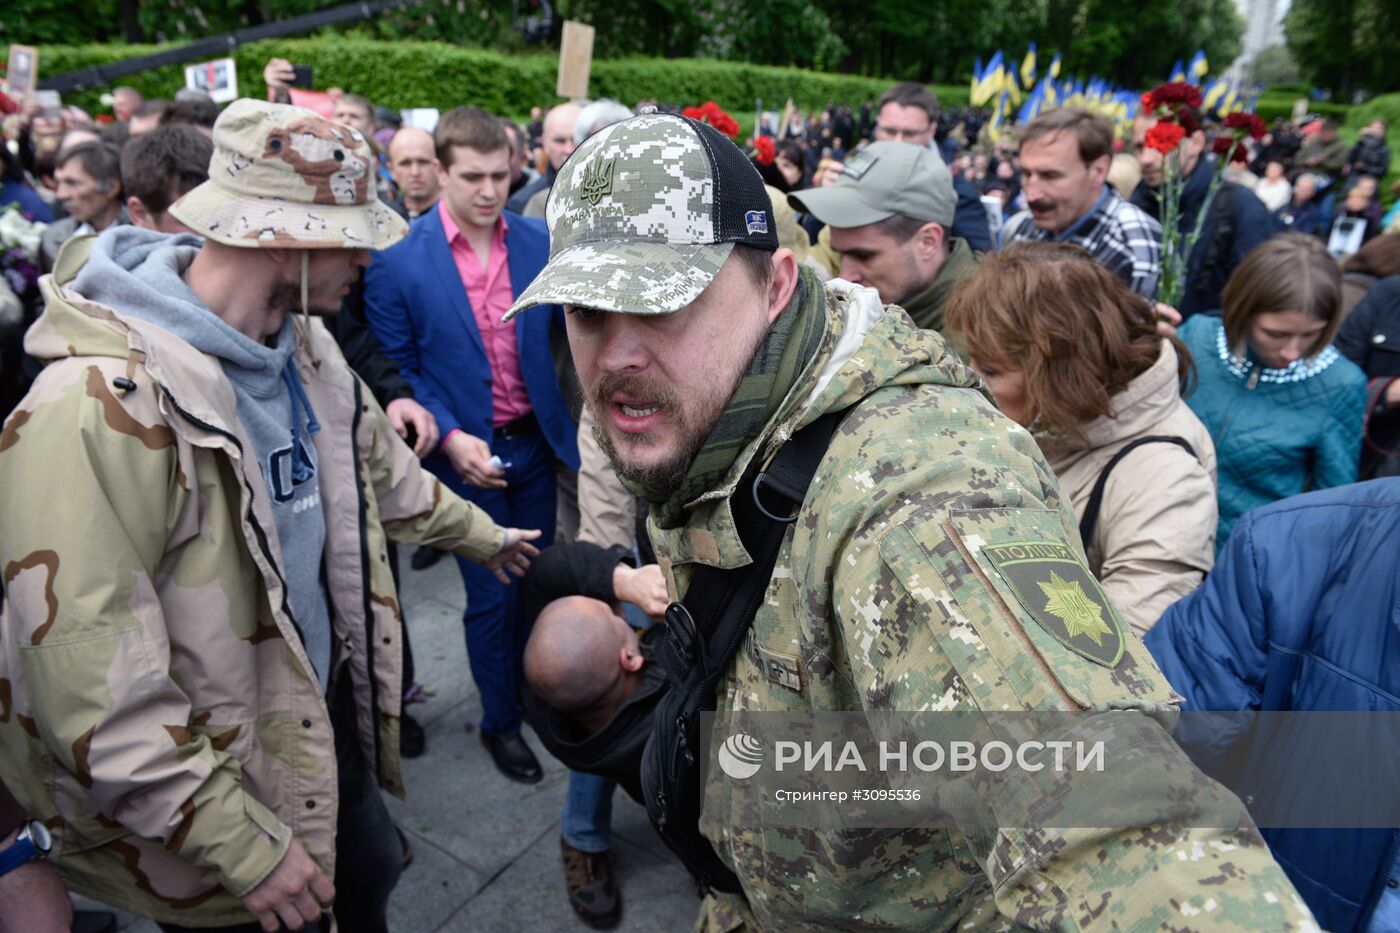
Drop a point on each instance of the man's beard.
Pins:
(664, 477)
(286, 297)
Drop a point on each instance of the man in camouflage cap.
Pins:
(200, 640)
(701, 348)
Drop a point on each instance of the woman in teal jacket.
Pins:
(1284, 408)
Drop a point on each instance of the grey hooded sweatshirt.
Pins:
(138, 272)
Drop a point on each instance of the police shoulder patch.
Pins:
(1055, 587)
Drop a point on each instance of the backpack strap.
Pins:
(719, 605)
(1091, 510)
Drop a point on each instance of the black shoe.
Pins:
(425, 557)
(412, 740)
(513, 757)
(593, 892)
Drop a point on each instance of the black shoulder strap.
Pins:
(722, 603)
(1091, 510)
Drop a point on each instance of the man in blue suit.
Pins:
(435, 301)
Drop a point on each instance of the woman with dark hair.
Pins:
(1074, 356)
(775, 163)
(1378, 258)
(1283, 406)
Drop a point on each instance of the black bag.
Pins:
(1091, 509)
(703, 633)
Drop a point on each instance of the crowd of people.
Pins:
(261, 344)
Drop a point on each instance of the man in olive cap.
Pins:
(701, 348)
(200, 639)
(890, 213)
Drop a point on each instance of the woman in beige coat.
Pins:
(1073, 355)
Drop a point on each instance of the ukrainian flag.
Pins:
(1199, 67)
(1055, 66)
(1028, 67)
(1214, 92)
(1178, 72)
(990, 81)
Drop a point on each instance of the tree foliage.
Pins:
(1349, 46)
(929, 40)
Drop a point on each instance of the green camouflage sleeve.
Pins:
(82, 550)
(942, 606)
(414, 505)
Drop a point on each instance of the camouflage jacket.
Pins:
(157, 709)
(884, 598)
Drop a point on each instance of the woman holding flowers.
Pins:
(1283, 406)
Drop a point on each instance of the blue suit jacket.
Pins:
(418, 308)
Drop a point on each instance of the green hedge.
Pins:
(1274, 105)
(1385, 107)
(433, 74)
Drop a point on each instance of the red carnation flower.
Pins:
(711, 113)
(1229, 148)
(1250, 123)
(1175, 94)
(764, 150)
(1164, 137)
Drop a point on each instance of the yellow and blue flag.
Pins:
(1178, 72)
(1054, 71)
(1028, 67)
(1199, 67)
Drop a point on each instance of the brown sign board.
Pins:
(23, 70)
(575, 60)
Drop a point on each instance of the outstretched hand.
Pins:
(514, 556)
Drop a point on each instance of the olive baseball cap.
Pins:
(287, 178)
(882, 180)
(643, 215)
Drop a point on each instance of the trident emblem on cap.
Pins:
(597, 181)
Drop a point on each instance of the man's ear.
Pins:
(929, 239)
(784, 283)
(630, 659)
(1098, 169)
(140, 217)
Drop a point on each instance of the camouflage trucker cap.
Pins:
(644, 213)
(286, 178)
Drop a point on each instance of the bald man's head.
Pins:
(413, 164)
(583, 660)
(558, 139)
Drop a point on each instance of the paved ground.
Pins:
(487, 850)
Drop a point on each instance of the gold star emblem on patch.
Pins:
(1068, 602)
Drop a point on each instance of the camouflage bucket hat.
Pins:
(643, 215)
(283, 177)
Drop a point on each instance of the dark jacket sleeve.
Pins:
(578, 569)
(970, 217)
(387, 309)
(362, 351)
(1354, 339)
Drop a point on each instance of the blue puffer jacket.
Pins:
(1302, 612)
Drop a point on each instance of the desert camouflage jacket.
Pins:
(886, 596)
(157, 709)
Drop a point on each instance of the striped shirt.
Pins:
(1121, 236)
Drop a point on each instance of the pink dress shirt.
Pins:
(488, 291)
